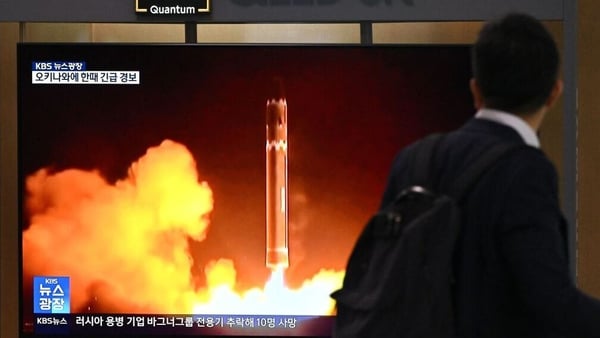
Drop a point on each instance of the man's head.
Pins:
(515, 66)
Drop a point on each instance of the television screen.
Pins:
(210, 190)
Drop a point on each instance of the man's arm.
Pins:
(533, 242)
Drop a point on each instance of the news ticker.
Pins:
(179, 324)
(52, 315)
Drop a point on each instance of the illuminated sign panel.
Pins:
(172, 7)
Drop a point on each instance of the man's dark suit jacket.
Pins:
(511, 264)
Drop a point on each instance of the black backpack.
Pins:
(399, 277)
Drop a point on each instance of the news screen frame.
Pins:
(212, 190)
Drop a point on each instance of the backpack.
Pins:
(399, 277)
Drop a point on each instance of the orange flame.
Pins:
(312, 298)
(125, 245)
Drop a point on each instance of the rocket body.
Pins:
(277, 214)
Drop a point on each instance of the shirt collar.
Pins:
(518, 124)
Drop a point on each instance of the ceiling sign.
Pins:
(172, 7)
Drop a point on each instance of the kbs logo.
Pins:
(55, 321)
(48, 66)
(44, 320)
(51, 295)
(42, 66)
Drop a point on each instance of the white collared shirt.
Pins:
(513, 121)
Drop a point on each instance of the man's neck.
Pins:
(533, 119)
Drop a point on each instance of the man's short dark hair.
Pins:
(515, 63)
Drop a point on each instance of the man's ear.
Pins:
(557, 90)
(476, 92)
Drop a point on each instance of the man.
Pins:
(511, 264)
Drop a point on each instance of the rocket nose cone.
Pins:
(275, 90)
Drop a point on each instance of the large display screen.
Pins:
(210, 190)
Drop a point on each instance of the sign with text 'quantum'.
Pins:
(172, 7)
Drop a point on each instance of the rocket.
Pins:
(277, 213)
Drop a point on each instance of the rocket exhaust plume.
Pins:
(277, 213)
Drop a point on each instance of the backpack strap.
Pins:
(422, 159)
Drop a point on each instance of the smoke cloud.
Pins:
(125, 245)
